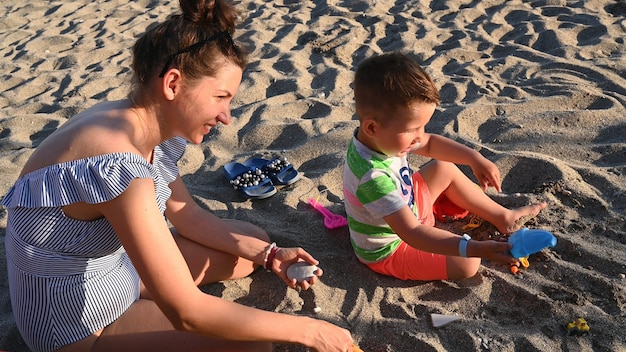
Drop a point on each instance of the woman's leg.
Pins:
(208, 265)
(144, 327)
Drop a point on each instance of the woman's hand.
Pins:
(328, 337)
(285, 257)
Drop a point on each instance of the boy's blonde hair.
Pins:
(386, 82)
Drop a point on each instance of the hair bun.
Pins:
(210, 14)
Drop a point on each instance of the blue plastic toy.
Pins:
(528, 241)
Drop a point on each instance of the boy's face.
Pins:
(404, 130)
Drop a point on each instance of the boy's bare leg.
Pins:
(461, 268)
(447, 178)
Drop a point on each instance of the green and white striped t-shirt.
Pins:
(374, 186)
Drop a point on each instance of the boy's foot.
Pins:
(519, 216)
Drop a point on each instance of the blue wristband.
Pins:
(463, 245)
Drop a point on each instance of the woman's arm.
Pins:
(149, 243)
(203, 227)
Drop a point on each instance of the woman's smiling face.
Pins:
(207, 103)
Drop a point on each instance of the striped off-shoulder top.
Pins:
(70, 278)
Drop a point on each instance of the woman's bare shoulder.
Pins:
(102, 129)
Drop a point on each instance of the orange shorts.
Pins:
(408, 263)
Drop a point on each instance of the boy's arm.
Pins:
(442, 148)
(426, 238)
(434, 240)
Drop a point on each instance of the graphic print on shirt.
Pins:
(407, 186)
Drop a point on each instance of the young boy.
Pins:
(390, 208)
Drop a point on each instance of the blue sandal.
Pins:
(250, 182)
(279, 170)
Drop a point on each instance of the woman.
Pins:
(92, 262)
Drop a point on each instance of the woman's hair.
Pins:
(195, 41)
(388, 81)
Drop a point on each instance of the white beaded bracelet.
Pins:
(267, 253)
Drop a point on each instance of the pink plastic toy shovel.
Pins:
(331, 220)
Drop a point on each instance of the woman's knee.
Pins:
(249, 229)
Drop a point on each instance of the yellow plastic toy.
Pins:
(578, 327)
(474, 222)
(523, 261)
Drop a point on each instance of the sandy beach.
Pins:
(538, 87)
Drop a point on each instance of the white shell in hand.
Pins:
(301, 271)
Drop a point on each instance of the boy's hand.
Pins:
(486, 173)
(494, 251)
